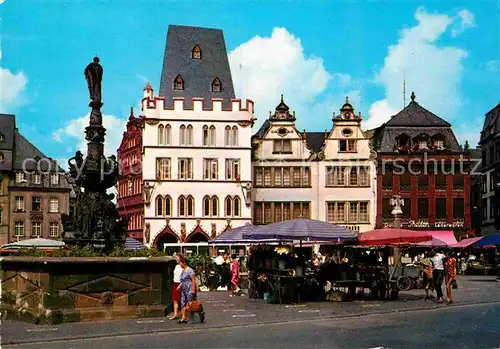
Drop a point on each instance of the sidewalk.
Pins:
(224, 311)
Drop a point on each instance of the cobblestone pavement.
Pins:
(224, 311)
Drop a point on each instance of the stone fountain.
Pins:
(95, 220)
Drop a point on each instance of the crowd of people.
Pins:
(439, 267)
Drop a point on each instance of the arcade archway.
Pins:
(166, 236)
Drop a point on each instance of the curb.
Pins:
(258, 323)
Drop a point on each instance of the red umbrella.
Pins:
(392, 236)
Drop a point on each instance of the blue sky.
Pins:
(315, 53)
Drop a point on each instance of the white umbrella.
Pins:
(35, 243)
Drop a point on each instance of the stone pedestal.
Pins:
(59, 290)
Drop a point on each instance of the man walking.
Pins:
(438, 274)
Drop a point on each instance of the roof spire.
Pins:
(413, 96)
(131, 113)
(347, 99)
(282, 98)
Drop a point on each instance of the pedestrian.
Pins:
(426, 263)
(451, 274)
(438, 274)
(176, 291)
(235, 274)
(187, 287)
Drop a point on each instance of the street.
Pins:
(239, 322)
(468, 326)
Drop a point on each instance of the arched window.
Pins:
(196, 52)
(182, 135)
(212, 135)
(228, 203)
(234, 136)
(216, 85)
(161, 135)
(189, 135)
(179, 83)
(190, 206)
(159, 206)
(168, 206)
(182, 206)
(215, 206)
(206, 206)
(237, 206)
(227, 136)
(168, 135)
(205, 136)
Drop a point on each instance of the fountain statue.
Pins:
(95, 220)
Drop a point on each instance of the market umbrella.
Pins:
(493, 239)
(132, 244)
(302, 230)
(235, 236)
(34, 243)
(393, 236)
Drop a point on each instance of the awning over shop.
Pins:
(447, 236)
(34, 243)
(466, 242)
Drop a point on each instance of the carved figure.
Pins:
(93, 75)
(147, 233)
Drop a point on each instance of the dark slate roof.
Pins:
(7, 127)
(263, 129)
(416, 115)
(491, 122)
(315, 140)
(198, 74)
(384, 138)
(24, 150)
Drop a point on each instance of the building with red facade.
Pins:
(419, 158)
(130, 199)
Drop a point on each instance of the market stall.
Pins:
(282, 274)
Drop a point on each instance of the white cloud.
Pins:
(430, 69)
(463, 21)
(74, 133)
(265, 67)
(11, 87)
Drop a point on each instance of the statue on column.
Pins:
(93, 75)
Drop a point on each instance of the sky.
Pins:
(314, 52)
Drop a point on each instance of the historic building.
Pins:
(196, 143)
(319, 175)
(419, 158)
(34, 190)
(130, 201)
(490, 170)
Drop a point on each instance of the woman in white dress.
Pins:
(176, 291)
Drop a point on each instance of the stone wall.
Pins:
(57, 290)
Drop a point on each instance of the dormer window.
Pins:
(422, 144)
(439, 144)
(179, 83)
(20, 177)
(404, 140)
(216, 85)
(196, 53)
